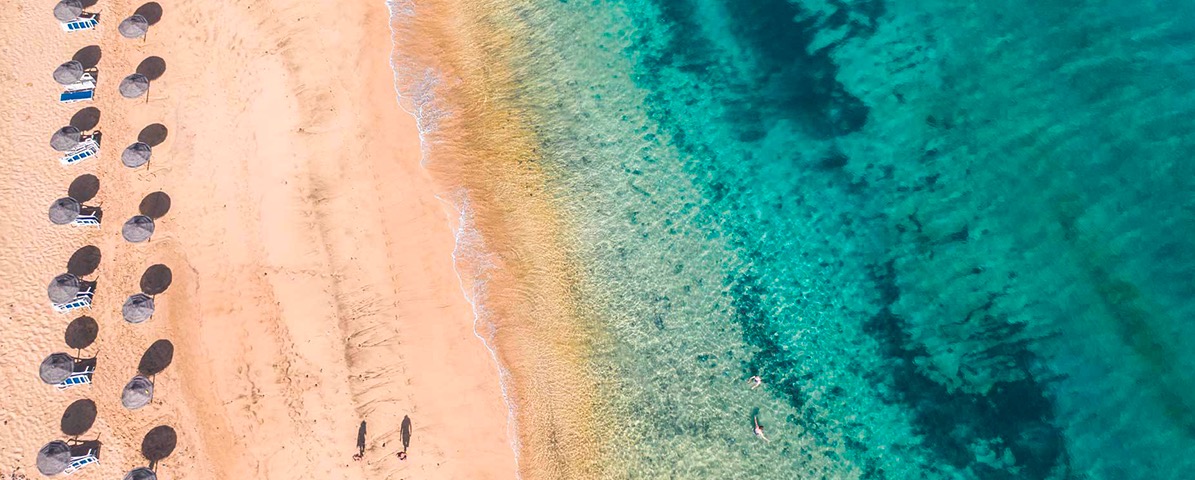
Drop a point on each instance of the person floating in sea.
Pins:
(755, 382)
(759, 430)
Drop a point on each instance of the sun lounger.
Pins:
(86, 221)
(80, 91)
(80, 462)
(86, 82)
(77, 96)
(82, 300)
(87, 149)
(77, 378)
(80, 24)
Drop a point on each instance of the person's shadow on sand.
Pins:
(360, 442)
(405, 432)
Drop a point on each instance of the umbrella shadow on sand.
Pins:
(158, 444)
(89, 56)
(152, 12)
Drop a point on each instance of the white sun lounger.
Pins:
(77, 378)
(86, 221)
(87, 149)
(75, 25)
(82, 300)
(78, 463)
(86, 82)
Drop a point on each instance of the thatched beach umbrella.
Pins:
(135, 155)
(137, 393)
(64, 211)
(134, 86)
(56, 368)
(133, 27)
(141, 473)
(138, 308)
(68, 10)
(53, 458)
(63, 288)
(68, 73)
(66, 138)
(138, 229)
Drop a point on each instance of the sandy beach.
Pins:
(312, 283)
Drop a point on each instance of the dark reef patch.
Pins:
(782, 78)
(1014, 415)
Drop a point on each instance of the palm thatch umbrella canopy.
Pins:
(135, 155)
(138, 229)
(64, 211)
(134, 85)
(141, 473)
(133, 27)
(53, 458)
(138, 308)
(63, 288)
(68, 73)
(56, 368)
(68, 10)
(65, 138)
(137, 393)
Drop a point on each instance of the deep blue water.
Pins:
(953, 238)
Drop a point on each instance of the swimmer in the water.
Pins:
(759, 430)
(755, 382)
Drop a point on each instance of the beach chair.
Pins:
(85, 23)
(82, 301)
(77, 96)
(79, 462)
(86, 82)
(79, 91)
(86, 149)
(86, 221)
(76, 378)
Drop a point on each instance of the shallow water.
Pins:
(953, 240)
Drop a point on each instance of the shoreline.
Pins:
(308, 293)
(481, 146)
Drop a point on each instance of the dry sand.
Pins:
(312, 281)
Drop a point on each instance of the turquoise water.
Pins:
(954, 239)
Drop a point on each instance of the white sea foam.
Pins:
(469, 257)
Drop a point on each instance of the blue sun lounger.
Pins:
(82, 300)
(72, 96)
(80, 24)
(84, 151)
(80, 462)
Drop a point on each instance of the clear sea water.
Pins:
(954, 238)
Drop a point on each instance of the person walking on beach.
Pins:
(755, 382)
(759, 430)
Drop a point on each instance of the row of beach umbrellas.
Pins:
(72, 71)
(67, 138)
(55, 457)
(138, 308)
(137, 229)
(59, 366)
(136, 26)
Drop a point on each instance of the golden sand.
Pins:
(313, 284)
